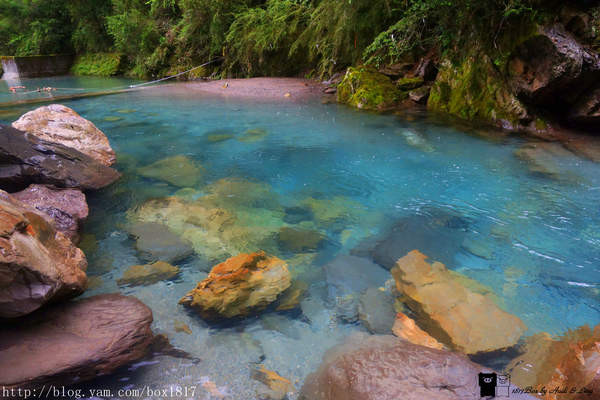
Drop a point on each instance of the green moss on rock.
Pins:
(365, 88)
(98, 64)
(473, 90)
(409, 83)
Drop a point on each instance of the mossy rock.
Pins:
(98, 64)
(472, 89)
(367, 89)
(409, 83)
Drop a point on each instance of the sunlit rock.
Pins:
(453, 308)
(59, 124)
(37, 263)
(406, 328)
(239, 286)
(569, 361)
(177, 170)
(148, 274)
(278, 386)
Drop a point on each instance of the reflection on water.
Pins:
(310, 183)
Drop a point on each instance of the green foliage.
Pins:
(97, 64)
(30, 27)
(259, 39)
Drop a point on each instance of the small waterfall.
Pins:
(11, 71)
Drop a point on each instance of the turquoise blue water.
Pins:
(533, 238)
(63, 85)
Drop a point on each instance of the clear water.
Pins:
(537, 236)
(64, 85)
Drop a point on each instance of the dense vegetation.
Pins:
(254, 37)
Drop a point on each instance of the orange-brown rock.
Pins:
(37, 263)
(239, 286)
(278, 386)
(406, 328)
(59, 124)
(569, 361)
(454, 309)
(147, 274)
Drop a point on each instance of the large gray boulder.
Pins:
(25, 159)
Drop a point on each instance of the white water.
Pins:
(11, 71)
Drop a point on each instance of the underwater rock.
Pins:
(63, 208)
(37, 263)
(329, 213)
(544, 157)
(239, 286)
(291, 298)
(350, 274)
(179, 326)
(233, 216)
(295, 215)
(407, 329)
(299, 240)
(148, 274)
(376, 311)
(365, 88)
(59, 124)
(436, 231)
(384, 367)
(453, 308)
(74, 341)
(178, 171)
(278, 386)
(25, 159)
(253, 135)
(155, 242)
(416, 140)
(568, 361)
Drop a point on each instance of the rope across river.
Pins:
(116, 88)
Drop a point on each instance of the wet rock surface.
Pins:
(64, 208)
(568, 361)
(26, 159)
(407, 329)
(239, 286)
(453, 308)
(85, 339)
(37, 263)
(387, 368)
(60, 124)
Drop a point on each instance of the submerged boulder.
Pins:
(387, 368)
(37, 263)
(64, 208)
(568, 361)
(239, 286)
(74, 341)
(60, 124)
(148, 274)
(177, 170)
(453, 308)
(376, 310)
(26, 159)
(350, 274)
(156, 242)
